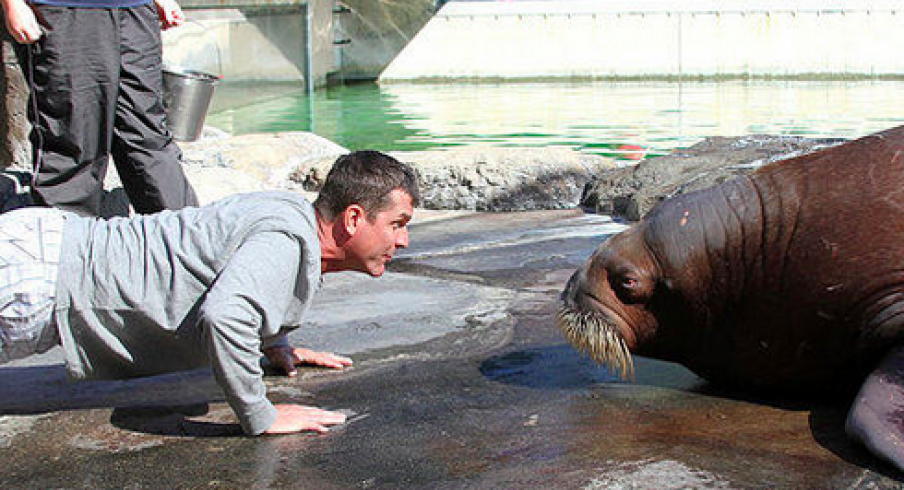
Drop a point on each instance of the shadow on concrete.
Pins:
(30, 390)
(172, 421)
(827, 426)
(161, 405)
(782, 402)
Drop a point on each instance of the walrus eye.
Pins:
(629, 288)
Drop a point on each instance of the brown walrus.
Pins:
(791, 278)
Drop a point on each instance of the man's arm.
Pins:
(250, 296)
(21, 21)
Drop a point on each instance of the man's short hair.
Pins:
(365, 178)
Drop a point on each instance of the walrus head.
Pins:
(604, 310)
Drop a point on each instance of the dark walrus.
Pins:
(791, 278)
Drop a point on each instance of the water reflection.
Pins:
(629, 120)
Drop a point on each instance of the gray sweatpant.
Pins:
(30, 243)
(97, 92)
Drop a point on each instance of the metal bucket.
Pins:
(186, 96)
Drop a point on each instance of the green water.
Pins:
(623, 120)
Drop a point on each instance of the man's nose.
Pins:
(402, 238)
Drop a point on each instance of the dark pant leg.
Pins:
(73, 71)
(147, 158)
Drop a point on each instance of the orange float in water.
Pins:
(632, 152)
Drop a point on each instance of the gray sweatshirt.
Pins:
(180, 290)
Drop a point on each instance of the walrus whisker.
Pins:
(593, 335)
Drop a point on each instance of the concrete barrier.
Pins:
(656, 39)
(294, 40)
(242, 44)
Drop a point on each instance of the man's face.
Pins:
(375, 241)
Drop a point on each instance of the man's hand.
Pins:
(21, 21)
(299, 418)
(286, 358)
(170, 13)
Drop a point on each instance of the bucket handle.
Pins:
(205, 33)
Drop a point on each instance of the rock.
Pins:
(210, 132)
(487, 179)
(484, 179)
(630, 192)
(503, 179)
(271, 157)
(212, 184)
(311, 174)
(217, 165)
(477, 179)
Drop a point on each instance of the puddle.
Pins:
(548, 367)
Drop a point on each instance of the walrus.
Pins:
(790, 279)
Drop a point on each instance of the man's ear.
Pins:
(352, 218)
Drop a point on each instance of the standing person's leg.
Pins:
(147, 158)
(73, 72)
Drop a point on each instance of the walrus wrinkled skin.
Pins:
(789, 279)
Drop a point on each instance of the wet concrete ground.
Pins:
(461, 381)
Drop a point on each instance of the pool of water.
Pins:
(627, 120)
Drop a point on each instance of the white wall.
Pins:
(656, 38)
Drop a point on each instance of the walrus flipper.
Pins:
(877, 416)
